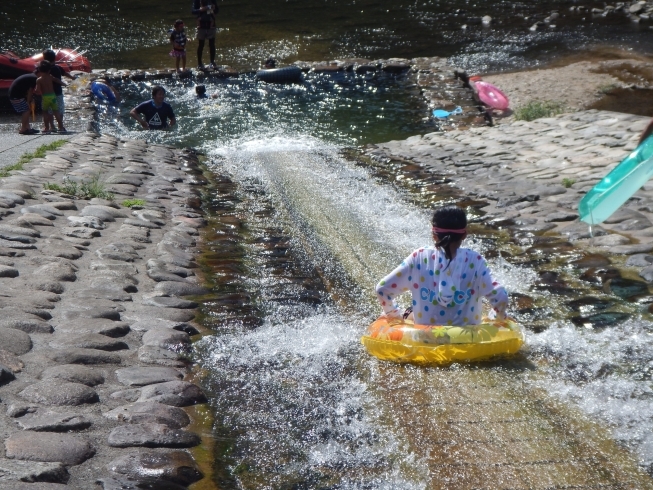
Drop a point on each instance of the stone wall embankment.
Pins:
(95, 334)
(533, 174)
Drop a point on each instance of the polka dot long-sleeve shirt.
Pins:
(443, 294)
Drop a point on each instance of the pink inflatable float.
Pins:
(491, 96)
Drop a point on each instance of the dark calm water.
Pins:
(132, 33)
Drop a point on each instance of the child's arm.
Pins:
(646, 133)
(393, 285)
(490, 288)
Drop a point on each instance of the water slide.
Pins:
(455, 428)
(618, 185)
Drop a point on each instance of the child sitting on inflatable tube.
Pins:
(446, 282)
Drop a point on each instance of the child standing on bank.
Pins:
(56, 72)
(45, 87)
(179, 40)
(446, 282)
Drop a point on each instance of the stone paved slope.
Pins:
(94, 331)
(524, 170)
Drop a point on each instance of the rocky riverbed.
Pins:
(95, 335)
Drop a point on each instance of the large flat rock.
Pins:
(167, 338)
(30, 472)
(175, 466)
(87, 341)
(141, 376)
(151, 435)
(101, 326)
(75, 373)
(48, 447)
(150, 412)
(83, 356)
(175, 393)
(58, 392)
(54, 421)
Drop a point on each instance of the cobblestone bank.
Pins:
(533, 174)
(94, 332)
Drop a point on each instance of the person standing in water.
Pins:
(155, 112)
(178, 41)
(45, 88)
(205, 11)
(446, 282)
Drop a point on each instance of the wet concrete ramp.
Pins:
(476, 427)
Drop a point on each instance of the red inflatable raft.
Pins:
(11, 66)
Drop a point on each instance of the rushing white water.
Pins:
(308, 369)
(347, 222)
(607, 374)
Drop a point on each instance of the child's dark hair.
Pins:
(200, 89)
(448, 218)
(44, 67)
(49, 55)
(156, 89)
(179, 22)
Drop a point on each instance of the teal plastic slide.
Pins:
(619, 185)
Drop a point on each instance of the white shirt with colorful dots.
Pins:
(443, 293)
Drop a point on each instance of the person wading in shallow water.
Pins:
(205, 11)
(156, 112)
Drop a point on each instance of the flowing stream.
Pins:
(298, 402)
(299, 235)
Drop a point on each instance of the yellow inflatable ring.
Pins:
(405, 342)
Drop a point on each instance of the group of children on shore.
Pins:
(44, 89)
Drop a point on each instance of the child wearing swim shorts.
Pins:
(45, 87)
(179, 40)
(57, 73)
(447, 282)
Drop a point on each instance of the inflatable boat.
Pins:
(403, 341)
(287, 74)
(12, 66)
(491, 96)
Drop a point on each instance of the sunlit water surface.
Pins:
(133, 33)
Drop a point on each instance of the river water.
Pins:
(132, 33)
(300, 234)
